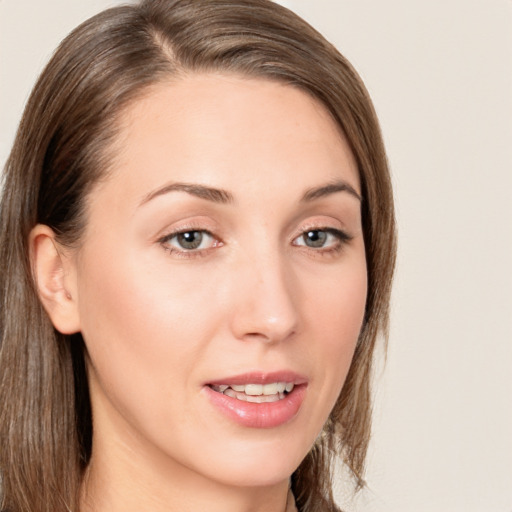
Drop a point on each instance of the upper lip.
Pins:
(257, 377)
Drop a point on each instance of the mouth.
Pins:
(256, 393)
(258, 400)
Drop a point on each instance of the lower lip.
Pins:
(254, 415)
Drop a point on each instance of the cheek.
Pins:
(138, 321)
(337, 311)
(132, 296)
(338, 303)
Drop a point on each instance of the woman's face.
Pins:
(223, 258)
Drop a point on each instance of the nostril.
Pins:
(269, 336)
(267, 310)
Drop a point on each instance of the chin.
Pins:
(266, 476)
(256, 466)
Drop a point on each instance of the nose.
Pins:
(266, 302)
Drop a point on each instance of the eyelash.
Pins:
(341, 237)
(189, 253)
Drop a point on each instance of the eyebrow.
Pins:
(331, 188)
(215, 195)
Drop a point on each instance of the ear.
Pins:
(55, 276)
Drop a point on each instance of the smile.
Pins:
(258, 400)
(256, 393)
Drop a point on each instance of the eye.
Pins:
(191, 240)
(326, 238)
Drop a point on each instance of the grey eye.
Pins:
(190, 239)
(315, 238)
(325, 238)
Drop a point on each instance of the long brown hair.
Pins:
(64, 145)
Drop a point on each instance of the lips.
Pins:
(258, 400)
(260, 378)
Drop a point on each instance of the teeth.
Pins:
(230, 392)
(262, 398)
(257, 393)
(254, 389)
(270, 389)
(220, 388)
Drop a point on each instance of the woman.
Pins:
(197, 245)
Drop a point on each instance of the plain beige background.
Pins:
(440, 74)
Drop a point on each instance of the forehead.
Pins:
(226, 130)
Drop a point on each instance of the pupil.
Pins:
(315, 238)
(190, 239)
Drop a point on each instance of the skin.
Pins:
(160, 321)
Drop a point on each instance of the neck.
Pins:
(123, 482)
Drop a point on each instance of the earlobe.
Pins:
(54, 277)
